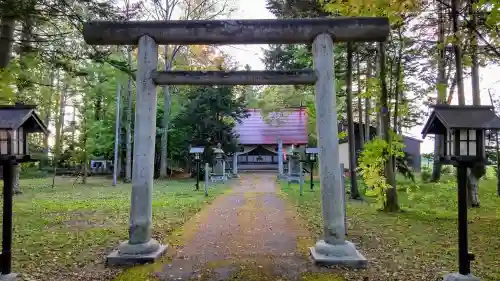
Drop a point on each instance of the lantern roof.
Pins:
(446, 117)
(12, 117)
(218, 149)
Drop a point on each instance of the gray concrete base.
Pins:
(455, 276)
(340, 254)
(130, 254)
(282, 177)
(8, 277)
(293, 180)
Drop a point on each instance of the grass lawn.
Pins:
(419, 243)
(65, 233)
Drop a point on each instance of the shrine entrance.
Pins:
(322, 33)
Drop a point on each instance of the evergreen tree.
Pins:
(209, 118)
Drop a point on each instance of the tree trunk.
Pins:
(391, 203)
(164, 135)
(497, 148)
(85, 160)
(350, 129)
(368, 103)
(59, 128)
(397, 94)
(378, 105)
(166, 103)
(84, 125)
(473, 189)
(117, 142)
(452, 89)
(128, 125)
(441, 89)
(48, 113)
(73, 124)
(457, 49)
(6, 39)
(23, 84)
(360, 106)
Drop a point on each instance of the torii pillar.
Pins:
(141, 248)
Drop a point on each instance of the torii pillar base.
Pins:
(128, 254)
(460, 277)
(338, 254)
(8, 277)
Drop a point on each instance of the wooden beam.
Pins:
(288, 77)
(207, 32)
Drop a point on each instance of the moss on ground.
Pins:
(419, 243)
(66, 231)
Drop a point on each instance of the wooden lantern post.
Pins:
(16, 122)
(463, 130)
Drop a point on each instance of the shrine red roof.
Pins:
(290, 125)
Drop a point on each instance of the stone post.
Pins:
(280, 158)
(343, 196)
(206, 179)
(235, 164)
(140, 248)
(290, 166)
(301, 178)
(333, 249)
(223, 170)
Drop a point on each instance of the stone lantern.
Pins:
(220, 163)
(295, 167)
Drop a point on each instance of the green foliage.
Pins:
(392, 9)
(403, 168)
(372, 162)
(426, 174)
(6, 89)
(446, 169)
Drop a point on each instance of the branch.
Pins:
(480, 36)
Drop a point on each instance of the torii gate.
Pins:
(140, 247)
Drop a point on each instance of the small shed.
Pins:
(411, 149)
(16, 122)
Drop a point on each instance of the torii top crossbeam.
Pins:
(268, 31)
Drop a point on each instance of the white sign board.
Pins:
(314, 150)
(196, 150)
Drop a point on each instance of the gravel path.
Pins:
(249, 234)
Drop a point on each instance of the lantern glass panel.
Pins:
(450, 143)
(197, 156)
(472, 134)
(20, 141)
(4, 147)
(464, 143)
(472, 148)
(463, 135)
(313, 156)
(14, 143)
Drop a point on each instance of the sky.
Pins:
(252, 54)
